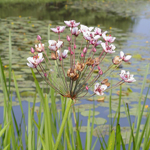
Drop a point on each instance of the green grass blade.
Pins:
(63, 124)
(10, 60)
(3, 130)
(93, 148)
(111, 141)
(139, 105)
(29, 128)
(87, 144)
(131, 128)
(6, 147)
(118, 137)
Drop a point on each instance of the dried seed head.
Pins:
(72, 74)
(96, 61)
(90, 61)
(104, 81)
(116, 60)
(54, 56)
(79, 66)
(76, 77)
(107, 84)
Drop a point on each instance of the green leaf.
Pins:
(111, 141)
(3, 130)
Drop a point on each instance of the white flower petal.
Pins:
(103, 87)
(104, 46)
(67, 23)
(30, 65)
(54, 30)
(96, 86)
(127, 58)
(121, 54)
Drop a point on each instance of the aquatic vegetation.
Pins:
(79, 76)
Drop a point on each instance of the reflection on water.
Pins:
(61, 11)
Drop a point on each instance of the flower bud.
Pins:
(94, 49)
(68, 38)
(60, 58)
(69, 48)
(45, 74)
(71, 52)
(38, 38)
(99, 68)
(85, 50)
(100, 72)
(82, 55)
(86, 87)
(32, 50)
(75, 46)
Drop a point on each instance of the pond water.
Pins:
(130, 26)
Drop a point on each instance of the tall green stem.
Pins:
(63, 124)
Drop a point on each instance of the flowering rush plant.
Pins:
(70, 68)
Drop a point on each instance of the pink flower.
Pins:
(39, 47)
(58, 29)
(109, 38)
(84, 28)
(53, 45)
(98, 31)
(35, 60)
(99, 89)
(124, 57)
(75, 31)
(71, 23)
(90, 36)
(64, 54)
(126, 76)
(95, 42)
(87, 36)
(108, 48)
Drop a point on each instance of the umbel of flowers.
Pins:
(68, 67)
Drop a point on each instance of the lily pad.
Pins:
(137, 56)
(98, 120)
(86, 113)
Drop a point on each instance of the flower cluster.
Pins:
(70, 68)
